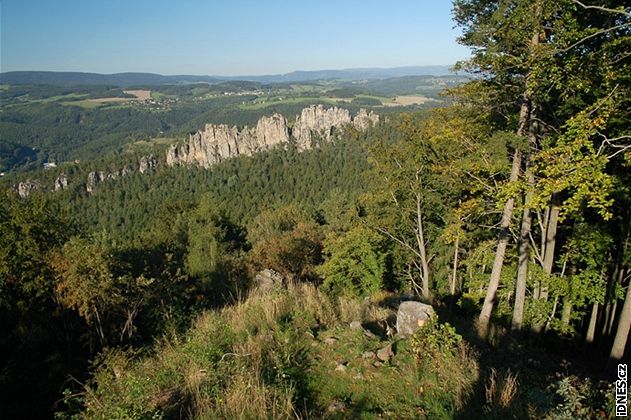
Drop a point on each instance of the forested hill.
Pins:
(135, 79)
(466, 255)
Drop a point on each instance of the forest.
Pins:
(507, 209)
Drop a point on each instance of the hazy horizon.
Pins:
(225, 39)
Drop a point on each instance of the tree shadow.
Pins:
(536, 361)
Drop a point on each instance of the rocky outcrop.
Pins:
(411, 316)
(268, 279)
(218, 142)
(25, 188)
(146, 163)
(93, 179)
(61, 182)
(364, 119)
(317, 120)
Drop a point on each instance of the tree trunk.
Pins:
(522, 271)
(622, 332)
(591, 329)
(420, 239)
(525, 127)
(566, 312)
(550, 235)
(454, 274)
(614, 312)
(500, 252)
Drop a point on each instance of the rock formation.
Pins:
(93, 179)
(411, 316)
(25, 188)
(268, 279)
(364, 119)
(216, 143)
(61, 183)
(319, 121)
(146, 163)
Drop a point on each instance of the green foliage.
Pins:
(355, 263)
(442, 358)
(214, 242)
(29, 231)
(294, 253)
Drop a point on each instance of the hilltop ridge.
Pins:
(61, 78)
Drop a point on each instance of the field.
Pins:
(107, 118)
(411, 100)
(140, 95)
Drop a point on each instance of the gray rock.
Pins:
(336, 406)
(94, 178)
(218, 142)
(411, 316)
(147, 163)
(385, 353)
(25, 188)
(355, 325)
(341, 367)
(368, 355)
(320, 121)
(369, 334)
(364, 119)
(268, 279)
(61, 183)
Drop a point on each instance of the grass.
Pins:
(87, 104)
(291, 353)
(276, 354)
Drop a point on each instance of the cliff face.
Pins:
(216, 143)
(219, 142)
(319, 121)
(364, 119)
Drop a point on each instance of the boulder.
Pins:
(385, 353)
(268, 279)
(355, 325)
(411, 316)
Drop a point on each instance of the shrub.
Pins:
(446, 367)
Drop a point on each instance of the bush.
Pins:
(446, 367)
(355, 264)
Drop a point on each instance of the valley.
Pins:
(345, 241)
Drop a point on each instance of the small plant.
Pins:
(446, 368)
(501, 391)
(435, 339)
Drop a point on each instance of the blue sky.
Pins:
(236, 37)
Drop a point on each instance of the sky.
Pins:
(231, 37)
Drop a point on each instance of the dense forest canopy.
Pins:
(505, 204)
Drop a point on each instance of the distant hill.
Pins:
(136, 79)
(59, 78)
